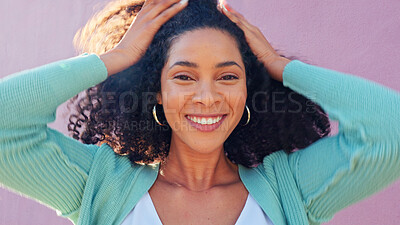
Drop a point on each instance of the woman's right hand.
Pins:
(133, 45)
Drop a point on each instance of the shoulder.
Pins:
(279, 168)
(117, 171)
(273, 163)
(276, 169)
(106, 161)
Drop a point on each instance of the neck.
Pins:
(198, 171)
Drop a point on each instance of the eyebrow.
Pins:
(195, 65)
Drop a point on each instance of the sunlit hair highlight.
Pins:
(99, 117)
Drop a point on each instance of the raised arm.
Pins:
(40, 162)
(35, 160)
(363, 157)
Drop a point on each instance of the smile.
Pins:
(206, 123)
(204, 120)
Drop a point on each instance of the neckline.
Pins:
(148, 198)
(153, 208)
(262, 190)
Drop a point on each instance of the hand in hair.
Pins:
(260, 46)
(133, 45)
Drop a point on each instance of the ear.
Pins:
(159, 98)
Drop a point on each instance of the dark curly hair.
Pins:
(118, 111)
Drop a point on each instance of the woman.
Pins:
(213, 149)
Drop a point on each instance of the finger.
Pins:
(248, 25)
(161, 6)
(238, 22)
(145, 8)
(147, 11)
(169, 13)
(249, 30)
(238, 18)
(148, 5)
(231, 16)
(147, 2)
(229, 11)
(235, 13)
(232, 10)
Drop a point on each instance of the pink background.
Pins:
(357, 37)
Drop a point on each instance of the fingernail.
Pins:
(182, 2)
(224, 8)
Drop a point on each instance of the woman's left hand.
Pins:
(260, 46)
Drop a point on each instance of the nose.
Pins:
(206, 94)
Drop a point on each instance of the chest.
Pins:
(220, 206)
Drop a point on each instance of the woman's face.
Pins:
(203, 89)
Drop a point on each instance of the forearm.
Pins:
(357, 103)
(36, 160)
(363, 157)
(31, 97)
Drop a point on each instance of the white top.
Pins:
(144, 213)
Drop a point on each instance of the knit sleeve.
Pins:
(363, 157)
(35, 160)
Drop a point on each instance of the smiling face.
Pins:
(203, 89)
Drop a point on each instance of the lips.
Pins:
(206, 123)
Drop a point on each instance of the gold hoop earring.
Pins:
(155, 116)
(248, 116)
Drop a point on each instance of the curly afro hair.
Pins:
(118, 111)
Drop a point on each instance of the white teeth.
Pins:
(205, 120)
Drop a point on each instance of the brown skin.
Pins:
(197, 170)
(156, 12)
(221, 204)
(137, 39)
(260, 46)
(195, 157)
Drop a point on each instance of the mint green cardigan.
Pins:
(91, 185)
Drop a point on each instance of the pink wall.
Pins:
(357, 37)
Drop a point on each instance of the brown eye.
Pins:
(183, 77)
(229, 77)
